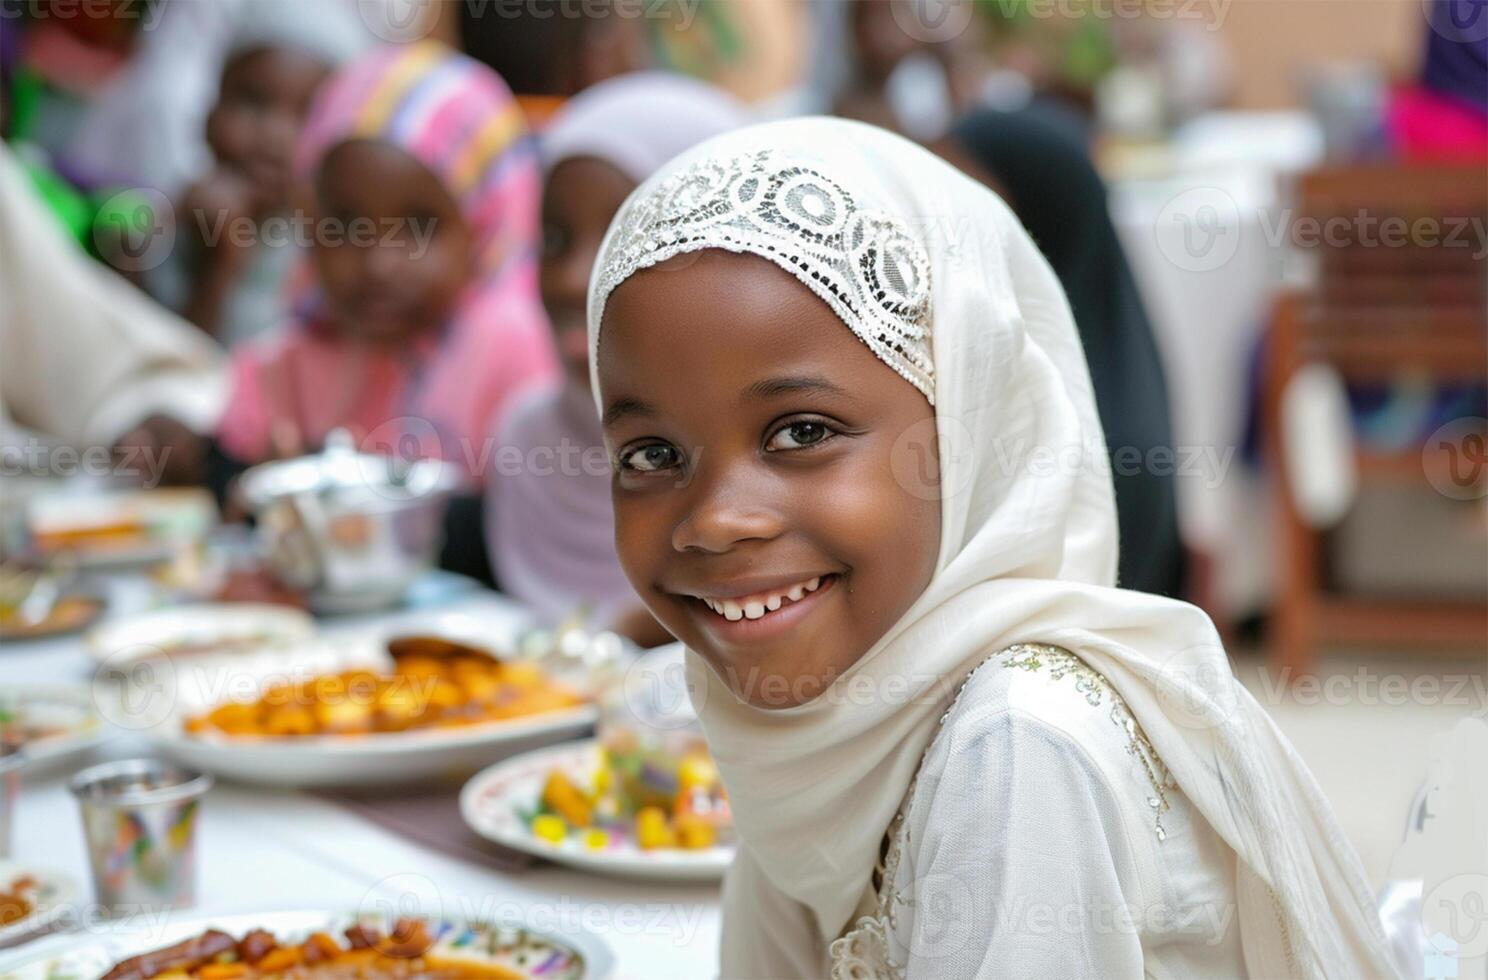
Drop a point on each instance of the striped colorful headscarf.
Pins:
(456, 117)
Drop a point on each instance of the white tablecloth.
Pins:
(265, 849)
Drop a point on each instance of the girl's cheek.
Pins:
(641, 540)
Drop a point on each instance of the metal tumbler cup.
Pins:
(139, 819)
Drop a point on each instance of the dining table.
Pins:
(268, 849)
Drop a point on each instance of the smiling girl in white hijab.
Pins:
(1031, 773)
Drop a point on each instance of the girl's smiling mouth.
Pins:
(762, 613)
(757, 605)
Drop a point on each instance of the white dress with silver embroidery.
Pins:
(1044, 838)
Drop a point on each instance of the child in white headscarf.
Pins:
(549, 528)
(859, 473)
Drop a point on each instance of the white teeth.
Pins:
(734, 610)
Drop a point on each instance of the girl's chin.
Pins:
(762, 686)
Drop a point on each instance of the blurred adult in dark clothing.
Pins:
(1040, 164)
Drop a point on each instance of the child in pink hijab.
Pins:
(422, 319)
(549, 526)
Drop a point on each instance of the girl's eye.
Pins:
(798, 435)
(651, 458)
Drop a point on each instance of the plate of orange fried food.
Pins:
(32, 901)
(316, 946)
(367, 711)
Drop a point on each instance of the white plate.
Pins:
(119, 642)
(86, 957)
(492, 804)
(372, 760)
(58, 896)
(68, 705)
(158, 703)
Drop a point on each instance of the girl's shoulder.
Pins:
(1044, 692)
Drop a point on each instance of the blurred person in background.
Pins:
(549, 524)
(229, 278)
(421, 320)
(1037, 157)
(147, 125)
(1043, 170)
(550, 51)
(85, 358)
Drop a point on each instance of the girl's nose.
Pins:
(722, 517)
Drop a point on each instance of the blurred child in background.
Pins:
(422, 319)
(549, 524)
(229, 276)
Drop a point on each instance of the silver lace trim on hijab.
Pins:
(866, 265)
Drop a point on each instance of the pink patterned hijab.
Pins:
(440, 395)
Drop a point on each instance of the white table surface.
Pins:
(266, 849)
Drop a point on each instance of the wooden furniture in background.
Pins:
(1372, 311)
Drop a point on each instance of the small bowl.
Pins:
(351, 530)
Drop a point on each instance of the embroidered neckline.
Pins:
(1094, 686)
(862, 952)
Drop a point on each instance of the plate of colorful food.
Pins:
(50, 723)
(619, 808)
(367, 711)
(310, 945)
(32, 901)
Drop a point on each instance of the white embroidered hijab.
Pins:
(899, 243)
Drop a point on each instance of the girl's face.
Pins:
(579, 199)
(262, 102)
(392, 249)
(757, 512)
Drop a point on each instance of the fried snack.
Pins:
(366, 955)
(18, 900)
(422, 692)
